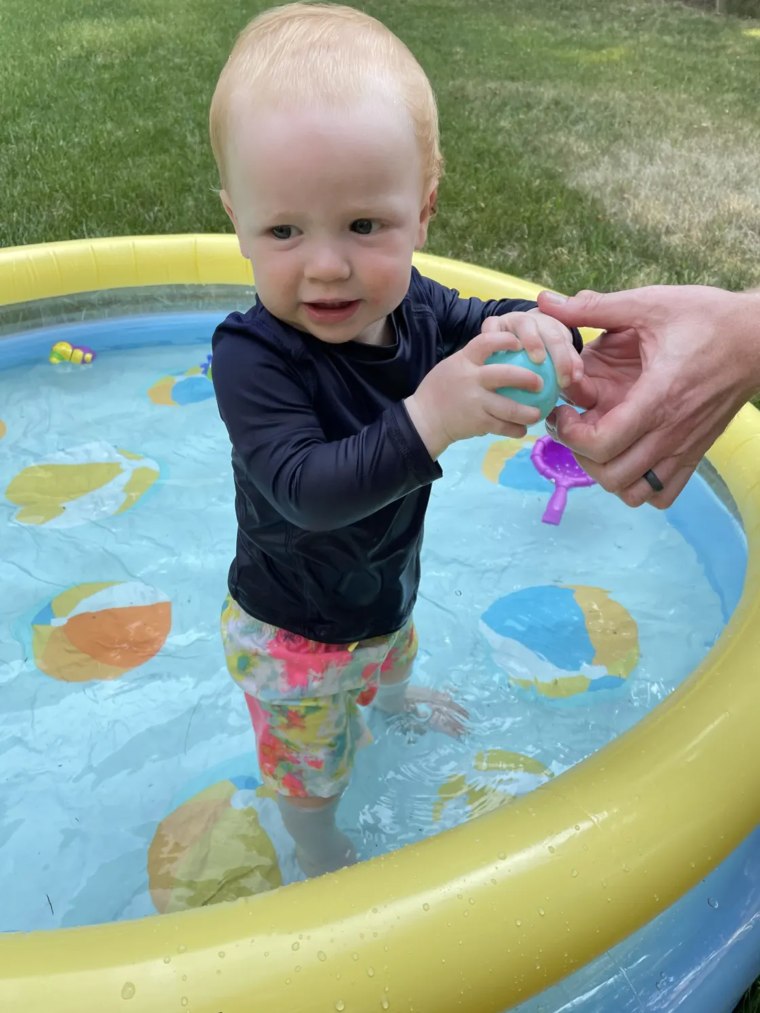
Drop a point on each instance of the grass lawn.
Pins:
(598, 144)
(588, 144)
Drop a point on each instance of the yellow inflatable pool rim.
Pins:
(482, 916)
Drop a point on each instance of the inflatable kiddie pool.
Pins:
(563, 896)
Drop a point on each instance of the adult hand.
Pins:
(673, 367)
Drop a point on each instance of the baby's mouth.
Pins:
(327, 310)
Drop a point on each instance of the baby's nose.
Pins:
(327, 262)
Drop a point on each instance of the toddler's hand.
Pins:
(457, 399)
(538, 334)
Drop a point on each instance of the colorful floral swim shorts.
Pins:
(304, 697)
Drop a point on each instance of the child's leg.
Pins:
(305, 741)
(305, 751)
(320, 846)
(396, 694)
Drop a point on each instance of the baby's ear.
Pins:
(426, 213)
(225, 199)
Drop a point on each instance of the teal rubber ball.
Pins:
(544, 399)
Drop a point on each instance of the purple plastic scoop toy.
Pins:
(555, 462)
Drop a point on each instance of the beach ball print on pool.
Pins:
(100, 631)
(180, 389)
(508, 463)
(500, 775)
(80, 484)
(212, 848)
(562, 640)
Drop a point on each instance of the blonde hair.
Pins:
(336, 54)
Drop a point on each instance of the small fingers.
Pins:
(526, 328)
(493, 325)
(438, 710)
(492, 338)
(558, 341)
(538, 335)
(446, 701)
(496, 375)
(515, 331)
(504, 411)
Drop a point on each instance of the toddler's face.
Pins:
(328, 207)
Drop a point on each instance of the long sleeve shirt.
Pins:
(331, 478)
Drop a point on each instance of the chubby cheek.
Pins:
(387, 278)
(273, 279)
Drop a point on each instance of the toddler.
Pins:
(340, 388)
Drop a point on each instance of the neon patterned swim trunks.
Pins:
(304, 697)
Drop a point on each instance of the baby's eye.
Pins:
(283, 231)
(364, 226)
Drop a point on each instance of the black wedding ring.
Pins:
(653, 480)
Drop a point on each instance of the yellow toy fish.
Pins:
(63, 351)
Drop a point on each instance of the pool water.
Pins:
(128, 781)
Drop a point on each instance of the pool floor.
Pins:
(129, 783)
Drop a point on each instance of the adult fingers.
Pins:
(672, 478)
(602, 436)
(608, 311)
(636, 483)
(582, 393)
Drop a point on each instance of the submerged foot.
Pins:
(341, 853)
(425, 708)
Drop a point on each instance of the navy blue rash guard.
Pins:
(331, 478)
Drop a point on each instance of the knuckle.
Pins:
(608, 483)
(589, 298)
(632, 497)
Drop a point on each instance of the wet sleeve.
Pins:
(316, 484)
(460, 320)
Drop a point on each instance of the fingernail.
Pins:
(551, 422)
(555, 297)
